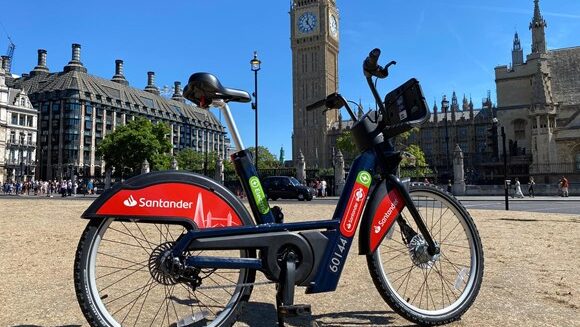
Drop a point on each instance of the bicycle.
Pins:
(178, 249)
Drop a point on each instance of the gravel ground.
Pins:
(531, 275)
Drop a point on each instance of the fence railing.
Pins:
(557, 168)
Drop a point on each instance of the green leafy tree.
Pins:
(189, 159)
(346, 145)
(266, 159)
(128, 146)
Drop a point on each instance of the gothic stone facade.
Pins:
(77, 110)
(539, 105)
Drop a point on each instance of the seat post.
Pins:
(231, 123)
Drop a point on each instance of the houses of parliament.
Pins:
(538, 104)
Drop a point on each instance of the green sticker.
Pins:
(364, 178)
(259, 195)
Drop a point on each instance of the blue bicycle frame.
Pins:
(339, 235)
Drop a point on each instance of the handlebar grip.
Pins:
(315, 105)
(371, 62)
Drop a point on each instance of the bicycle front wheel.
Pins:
(430, 290)
(119, 280)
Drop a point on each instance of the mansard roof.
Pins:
(95, 89)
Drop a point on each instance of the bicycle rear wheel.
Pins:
(119, 282)
(430, 290)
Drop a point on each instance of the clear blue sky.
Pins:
(447, 44)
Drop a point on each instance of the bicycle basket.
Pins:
(406, 104)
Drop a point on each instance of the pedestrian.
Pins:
(323, 186)
(318, 188)
(90, 187)
(518, 191)
(426, 181)
(449, 187)
(531, 184)
(565, 186)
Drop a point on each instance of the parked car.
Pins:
(285, 187)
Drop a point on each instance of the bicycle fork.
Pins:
(432, 248)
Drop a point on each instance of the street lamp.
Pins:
(206, 125)
(505, 170)
(255, 66)
(444, 107)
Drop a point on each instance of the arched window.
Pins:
(520, 129)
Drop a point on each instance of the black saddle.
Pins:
(203, 88)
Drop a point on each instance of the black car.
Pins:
(286, 188)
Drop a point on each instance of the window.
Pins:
(578, 161)
(14, 118)
(520, 129)
(30, 121)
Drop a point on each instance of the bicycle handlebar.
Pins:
(371, 66)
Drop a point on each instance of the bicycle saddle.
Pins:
(203, 88)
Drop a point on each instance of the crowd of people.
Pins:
(63, 188)
(320, 186)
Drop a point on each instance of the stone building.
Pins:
(77, 110)
(18, 128)
(314, 42)
(538, 103)
(457, 125)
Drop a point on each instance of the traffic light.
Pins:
(491, 139)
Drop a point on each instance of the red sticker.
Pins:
(385, 215)
(356, 203)
(205, 208)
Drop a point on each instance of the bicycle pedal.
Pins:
(297, 310)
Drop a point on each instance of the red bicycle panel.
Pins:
(192, 202)
(385, 215)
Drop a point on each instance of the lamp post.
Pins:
(495, 122)
(255, 66)
(445, 106)
(206, 124)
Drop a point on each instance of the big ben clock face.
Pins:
(307, 22)
(333, 26)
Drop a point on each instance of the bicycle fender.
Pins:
(171, 196)
(384, 205)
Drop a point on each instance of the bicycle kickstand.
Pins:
(285, 291)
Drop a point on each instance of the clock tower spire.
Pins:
(314, 42)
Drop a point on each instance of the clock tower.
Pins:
(314, 42)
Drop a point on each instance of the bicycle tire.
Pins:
(467, 281)
(182, 304)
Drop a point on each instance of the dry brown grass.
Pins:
(531, 271)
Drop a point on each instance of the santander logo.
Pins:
(130, 202)
(157, 203)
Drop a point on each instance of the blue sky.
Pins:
(447, 44)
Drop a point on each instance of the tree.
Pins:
(346, 144)
(128, 146)
(265, 158)
(189, 159)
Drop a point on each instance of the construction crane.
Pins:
(10, 52)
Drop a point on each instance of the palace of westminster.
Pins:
(52, 121)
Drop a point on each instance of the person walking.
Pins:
(531, 184)
(323, 186)
(565, 186)
(449, 187)
(518, 186)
